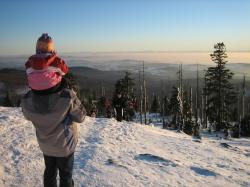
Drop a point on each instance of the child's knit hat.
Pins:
(44, 44)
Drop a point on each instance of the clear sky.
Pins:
(129, 25)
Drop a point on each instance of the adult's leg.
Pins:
(50, 172)
(65, 166)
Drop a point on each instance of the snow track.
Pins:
(111, 153)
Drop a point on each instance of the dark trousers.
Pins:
(119, 114)
(65, 167)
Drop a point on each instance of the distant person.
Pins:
(130, 110)
(119, 105)
(109, 112)
(108, 108)
(53, 112)
(93, 111)
(45, 69)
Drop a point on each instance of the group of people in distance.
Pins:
(121, 108)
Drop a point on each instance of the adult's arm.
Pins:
(77, 110)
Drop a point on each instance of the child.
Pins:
(45, 69)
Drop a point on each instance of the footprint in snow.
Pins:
(225, 145)
(204, 172)
(149, 158)
(222, 166)
(112, 162)
(247, 154)
(196, 140)
(3, 118)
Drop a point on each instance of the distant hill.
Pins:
(108, 64)
(13, 76)
(159, 77)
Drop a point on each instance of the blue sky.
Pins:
(129, 25)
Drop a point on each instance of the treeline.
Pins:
(214, 103)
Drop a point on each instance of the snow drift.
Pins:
(110, 153)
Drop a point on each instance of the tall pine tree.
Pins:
(175, 107)
(125, 87)
(187, 113)
(219, 89)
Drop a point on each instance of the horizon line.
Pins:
(156, 51)
(139, 51)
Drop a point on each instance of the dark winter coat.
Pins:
(53, 116)
(119, 105)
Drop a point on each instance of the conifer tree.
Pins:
(219, 89)
(244, 127)
(128, 85)
(155, 107)
(72, 83)
(166, 104)
(180, 114)
(187, 113)
(126, 88)
(175, 107)
(165, 110)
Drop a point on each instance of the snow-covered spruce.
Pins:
(111, 153)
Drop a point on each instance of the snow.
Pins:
(111, 153)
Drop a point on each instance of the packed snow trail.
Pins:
(111, 153)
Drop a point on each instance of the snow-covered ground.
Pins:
(110, 153)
